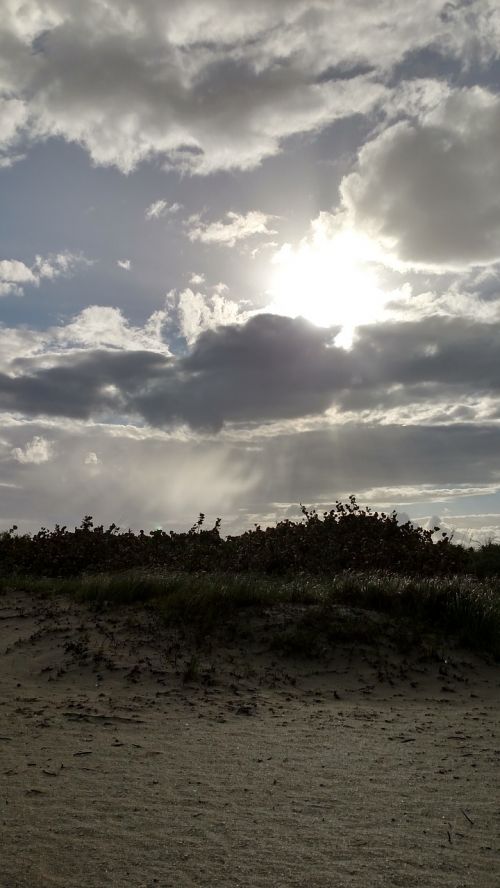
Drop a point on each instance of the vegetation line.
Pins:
(347, 537)
(349, 557)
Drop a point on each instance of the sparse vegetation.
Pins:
(355, 607)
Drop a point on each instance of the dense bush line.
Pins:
(347, 537)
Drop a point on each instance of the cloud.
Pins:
(161, 208)
(474, 296)
(139, 480)
(10, 160)
(152, 479)
(209, 85)
(195, 312)
(428, 188)
(102, 326)
(124, 263)
(473, 30)
(433, 351)
(233, 228)
(204, 86)
(92, 384)
(14, 275)
(37, 451)
(265, 368)
(13, 119)
(14, 272)
(97, 326)
(319, 466)
(410, 495)
(197, 279)
(92, 459)
(269, 367)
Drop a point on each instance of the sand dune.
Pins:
(366, 770)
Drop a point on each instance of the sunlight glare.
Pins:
(330, 280)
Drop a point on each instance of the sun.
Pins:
(330, 279)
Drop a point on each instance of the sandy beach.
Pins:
(367, 770)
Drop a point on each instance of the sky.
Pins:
(249, 258)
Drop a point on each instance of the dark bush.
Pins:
(346, 537)
(485, 562)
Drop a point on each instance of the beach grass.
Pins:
(345, 607)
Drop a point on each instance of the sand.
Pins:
(361, 771)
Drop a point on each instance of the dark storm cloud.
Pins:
(435, 349)
(82, 388)
(270, 368)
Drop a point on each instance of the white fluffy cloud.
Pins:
(428, 189)
(195, 312)
(234, 227)
(102, 326)
(38, 450)
(14, 275)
